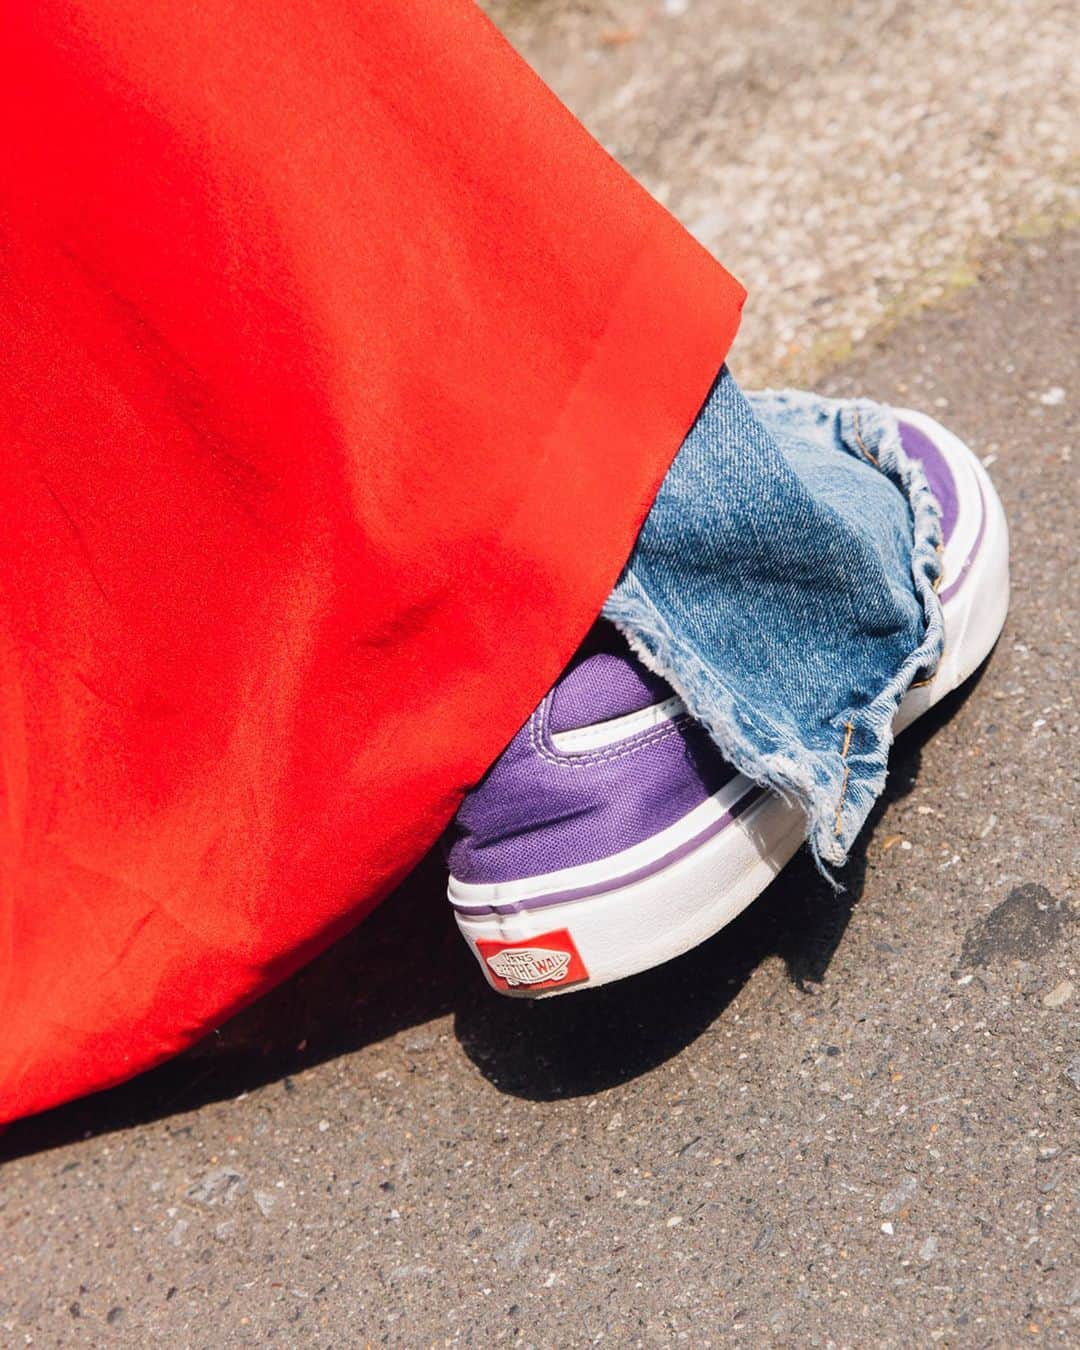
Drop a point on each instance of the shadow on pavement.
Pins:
(407, 965)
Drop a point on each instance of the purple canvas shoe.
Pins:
(611, 835)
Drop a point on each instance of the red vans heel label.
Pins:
(536, 963)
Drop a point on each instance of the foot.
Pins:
(611, 835)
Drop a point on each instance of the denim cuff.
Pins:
(784, 584)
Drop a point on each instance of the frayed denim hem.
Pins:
(836, 781)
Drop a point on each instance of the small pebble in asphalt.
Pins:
(265, 1202)
(899, 1195)
(1059, 995)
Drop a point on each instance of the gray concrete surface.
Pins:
(845, 1121)
(848, 161)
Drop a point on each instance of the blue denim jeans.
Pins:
(783, 584)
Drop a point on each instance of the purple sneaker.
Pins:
(611, 835)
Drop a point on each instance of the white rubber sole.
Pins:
(660, 915)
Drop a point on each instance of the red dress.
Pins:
(340, 367)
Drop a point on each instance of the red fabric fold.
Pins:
(341, 367)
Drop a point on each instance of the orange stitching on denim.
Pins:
(847, 770)
(847, 739)
(857, 427)
(921, 684)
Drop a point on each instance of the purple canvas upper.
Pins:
(598, 688)
(938, 474)
(538, 810)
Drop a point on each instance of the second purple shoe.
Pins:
(611, 835)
